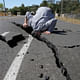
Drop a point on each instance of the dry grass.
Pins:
(2, 14)
(71, 20)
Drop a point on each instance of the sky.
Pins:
(12, 3)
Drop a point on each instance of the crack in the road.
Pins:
(15, 39)
(54, 49)
(13, 42)
(73, 46)
(56, 55)
(2, 38)
(69, 46)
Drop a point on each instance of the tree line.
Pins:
(68, 7)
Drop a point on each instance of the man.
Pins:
(42, 22)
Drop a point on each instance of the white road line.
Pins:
(15, 66)
(5, 33)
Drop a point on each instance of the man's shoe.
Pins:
(35, 34)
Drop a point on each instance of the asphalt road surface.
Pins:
(23, 57)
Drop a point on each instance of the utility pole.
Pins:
(4, 7)
(61, 6)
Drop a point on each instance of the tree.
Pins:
(1, 6)
(14, 10)
(33, 8)
(23, 9)
(52, 6)
(22, 5)
(70, 6)
(44, 3)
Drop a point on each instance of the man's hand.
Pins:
(25, 25)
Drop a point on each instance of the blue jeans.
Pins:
(49, 25)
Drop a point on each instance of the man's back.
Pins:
(43, 14)
(44, 11)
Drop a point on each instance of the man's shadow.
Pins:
(60, 32)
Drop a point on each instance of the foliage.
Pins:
(22, 9)
(54, 7)
(44, 3)
(68, 7)
(1, 6)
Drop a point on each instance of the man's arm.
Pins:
(25, 23)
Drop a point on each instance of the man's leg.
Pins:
(52, 26)
(49, 26)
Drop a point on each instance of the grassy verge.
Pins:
(3, 14)
(71, 20)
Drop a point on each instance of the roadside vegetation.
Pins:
(70, 20)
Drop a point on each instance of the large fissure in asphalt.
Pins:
(56, 55)
(54, 49)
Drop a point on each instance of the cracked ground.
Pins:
(46, 57)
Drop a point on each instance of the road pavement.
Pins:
(39, 62)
